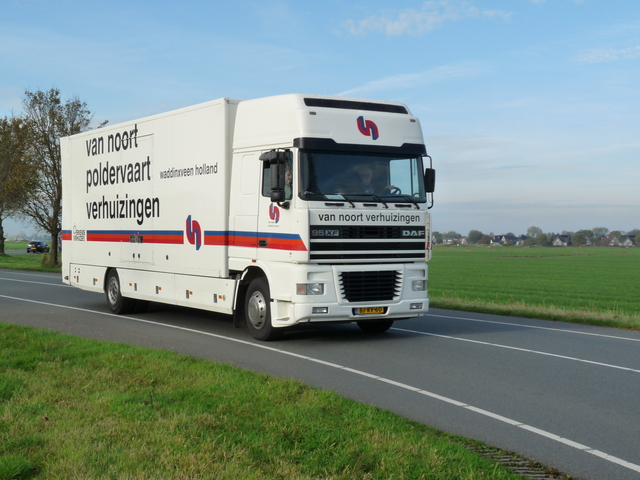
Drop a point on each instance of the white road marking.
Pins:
(526, 350)
(26, 273)
(563, 330)
(36, 283)
(543, 433)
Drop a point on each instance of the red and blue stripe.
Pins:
(172, 237)
(277, 241)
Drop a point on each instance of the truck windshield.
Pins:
(364, 177)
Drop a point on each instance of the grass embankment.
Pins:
(597, 286)
(76, 408)
(29, 261)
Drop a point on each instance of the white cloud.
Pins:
(410, 21)
(414, 80)
(600, 55)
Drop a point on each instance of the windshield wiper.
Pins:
(411, 200)
(378, 199)
(347, 199)
(372, 195)
(313, 195)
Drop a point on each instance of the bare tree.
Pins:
(543, 239)
(15, 177)
(600, 232)
(485, 240)
(579, 239)
(533, 231)
(49, 119)
(474, 236)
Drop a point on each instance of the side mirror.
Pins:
(277, 196)
(430, 180)
(277, 182)
(277, 159)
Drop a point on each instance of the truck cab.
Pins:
(338, 201)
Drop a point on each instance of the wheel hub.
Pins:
(257, 310)
(113, 290)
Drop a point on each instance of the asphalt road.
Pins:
(564, 395)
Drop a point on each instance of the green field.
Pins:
(590, 285)
(15, 245)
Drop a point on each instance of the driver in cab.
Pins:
(366, 186)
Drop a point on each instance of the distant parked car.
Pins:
(37, 247)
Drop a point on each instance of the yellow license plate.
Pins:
(370, 310)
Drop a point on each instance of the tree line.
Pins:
(30, 163)
(535, 236)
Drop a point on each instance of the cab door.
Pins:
(278, 231)
(243, 209)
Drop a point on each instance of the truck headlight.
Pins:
(419, 285)
(310, 288)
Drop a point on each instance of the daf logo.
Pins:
(413, 233)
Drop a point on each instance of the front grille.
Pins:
(371, 246)
(364, 231)
(367, 242)
(378, 286)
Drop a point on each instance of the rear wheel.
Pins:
(117, 303)
(375, 327)
(257, 311)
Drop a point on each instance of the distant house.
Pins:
(509, 240)
(613, 241)
(522, 239)
(561, 241)
(621, 241)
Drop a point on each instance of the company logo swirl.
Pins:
(194, 233)
(367, 128)
(274, 213)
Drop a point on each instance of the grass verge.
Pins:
(77, 408)
(29, 262)
(36, 262)
(611, 318)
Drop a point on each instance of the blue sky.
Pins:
(530, 108)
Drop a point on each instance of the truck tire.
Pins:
(375, 327)
(117, 303)
(257, 310)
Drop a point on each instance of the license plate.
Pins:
(369, 310)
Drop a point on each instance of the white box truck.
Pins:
(279, 211)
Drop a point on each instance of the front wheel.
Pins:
(375, 327)
(117, 303)
(257, 310)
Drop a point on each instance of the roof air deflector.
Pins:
(354, 105)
